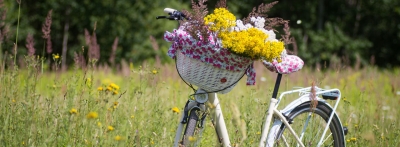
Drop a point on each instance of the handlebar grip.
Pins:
(169, 10)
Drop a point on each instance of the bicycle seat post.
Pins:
(277, 83)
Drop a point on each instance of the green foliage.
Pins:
(330, 31)
(329, 44)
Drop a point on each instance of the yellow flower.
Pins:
(191, 138)
(115, 92)
(251, 43)
(258, 133)
(109, 88)
(99, 124)
(114, 86)
(154, 71)
(100, 88)
(220, 20)
(353, 139)
(13, 100)
(118, 138)
(92, 115)
(110, 128)
(73, 111)
(175, 110)
(56, 56)
(116, 103)
(132, 116)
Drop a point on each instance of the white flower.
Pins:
(259, 22)
(248, 26)
(271, 35)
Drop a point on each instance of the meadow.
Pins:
(141, 105)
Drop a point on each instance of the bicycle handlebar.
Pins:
(173, 14)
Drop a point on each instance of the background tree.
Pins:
(331, 32)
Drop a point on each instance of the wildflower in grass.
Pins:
(115, 92)
(258, 133)
(117, 138)
(348, 140)
(154, 71)
(109, 88)
(56, 56)
(132, 116)
(355, 126)
(176, 110)
(116, 103)
(114, 86)
(92, 115)
(99, 124)
(110, 128)
(73, 111)
(13, 100)
(191, 138)
(100, 88)
(353, 139)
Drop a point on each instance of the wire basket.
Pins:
(205, 76)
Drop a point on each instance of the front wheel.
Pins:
(188, 135)
(309, 125)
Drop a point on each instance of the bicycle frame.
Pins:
(272, 112)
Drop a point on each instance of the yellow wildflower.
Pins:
(114, 86)
(73, 111)
(220, 20)
(92, 115)
(56, 56)
(100, 88)
(258, 133)
(110, 128)
(116, 103)
(353, 139)
(13, 100)
(109, 88)
(154, 71)
(99, 124)
(175, 110)
(132, 116)
(191, 138)
(115, 92)
(118, 138)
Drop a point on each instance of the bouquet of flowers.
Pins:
(225, 43)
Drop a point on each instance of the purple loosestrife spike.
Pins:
(49, 48)
(46, 26)
(30, 45)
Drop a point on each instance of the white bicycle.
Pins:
(307, 121)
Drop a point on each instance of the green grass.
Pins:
(37, 109)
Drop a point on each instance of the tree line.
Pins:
(336, 32)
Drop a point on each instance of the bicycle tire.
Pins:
(190, 127)
(322, 111)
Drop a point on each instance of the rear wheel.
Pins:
(312, 123)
